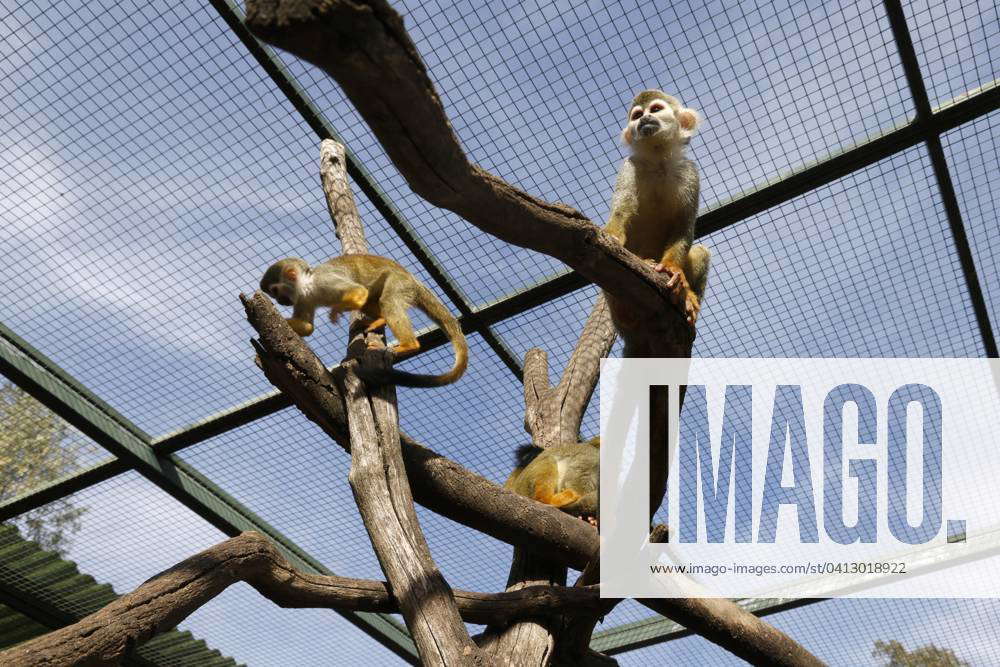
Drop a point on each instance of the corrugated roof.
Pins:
(39, 592)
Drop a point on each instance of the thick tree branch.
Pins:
(451, 490)
(383, 498)
(107, 636)
(377, 475)
(364, 46)
(553, 416)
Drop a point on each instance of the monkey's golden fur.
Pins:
(655, 202)
(378, 287)
(564, 476)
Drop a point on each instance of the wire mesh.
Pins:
(150, 171)
(862, 267)
(956, 45)
(37, 448)
(972, 152)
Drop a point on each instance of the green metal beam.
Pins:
(29, 369)
(60, 488)
(657, 629)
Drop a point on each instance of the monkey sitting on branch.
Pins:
(564, 476)
(378, 287)
(655, 201)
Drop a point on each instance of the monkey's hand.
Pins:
(301, 327)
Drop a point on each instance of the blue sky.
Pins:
(149, 171)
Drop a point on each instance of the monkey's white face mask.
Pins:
(658, 125)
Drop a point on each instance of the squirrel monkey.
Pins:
(564, 476)
(655, 202)
(382, 290)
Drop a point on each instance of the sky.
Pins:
(149, 171)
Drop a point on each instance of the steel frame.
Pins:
(154, 458)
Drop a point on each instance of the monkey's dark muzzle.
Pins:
(648, 127)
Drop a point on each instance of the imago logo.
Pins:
(800, 477)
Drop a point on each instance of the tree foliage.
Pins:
(36, 447)
(894, 654)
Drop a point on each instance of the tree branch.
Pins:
(108, 636)
(364, 46)
(451, 490)
(553, 416)
(377, 476)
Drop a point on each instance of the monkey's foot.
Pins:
(404, 348)
(377, 324)
(677, 283)
(592, 520)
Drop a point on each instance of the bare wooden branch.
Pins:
(340, 198)
(383, 497)
(107, 636)
(553, 415)
(364, 46)
(576, 387)
(452, 491)
(536, 388)
(377, 475)
(438, 483)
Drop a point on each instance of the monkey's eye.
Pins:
(656, 108)
(637, 114)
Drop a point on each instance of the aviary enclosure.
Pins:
(158, 158)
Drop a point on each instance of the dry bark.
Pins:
(364, 46)
(377, 474)
(108, 636)
(451, 490)
(552, 415)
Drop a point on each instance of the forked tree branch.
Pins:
(552, 415)
(453, 491)
(108, 636)
(364, 46)
(377, 475)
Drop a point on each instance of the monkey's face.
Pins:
(280, 279)
(657, 123)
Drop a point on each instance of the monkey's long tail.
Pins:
(434, 309)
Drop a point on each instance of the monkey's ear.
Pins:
(626, 136)
(290, 273)
(688, 120)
